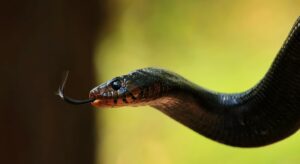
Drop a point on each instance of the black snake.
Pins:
(264, 114)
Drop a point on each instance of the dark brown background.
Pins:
(39, 41)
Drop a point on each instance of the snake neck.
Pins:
(260, 116)
(242, 120)
(216, 116)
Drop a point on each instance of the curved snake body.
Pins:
(264, 114)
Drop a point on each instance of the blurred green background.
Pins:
(222, 45)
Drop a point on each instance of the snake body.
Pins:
(262, 115)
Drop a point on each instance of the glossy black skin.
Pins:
(262, 115)
(267, 113)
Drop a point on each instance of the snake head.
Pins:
(135, 88)
(116, 92)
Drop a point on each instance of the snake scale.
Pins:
(262, 115)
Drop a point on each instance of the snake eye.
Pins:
(116, 85)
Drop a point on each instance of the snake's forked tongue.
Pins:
(67, 99)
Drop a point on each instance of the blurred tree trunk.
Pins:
(40, 40)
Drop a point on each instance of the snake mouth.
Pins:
(118, 92)
(105, 97)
